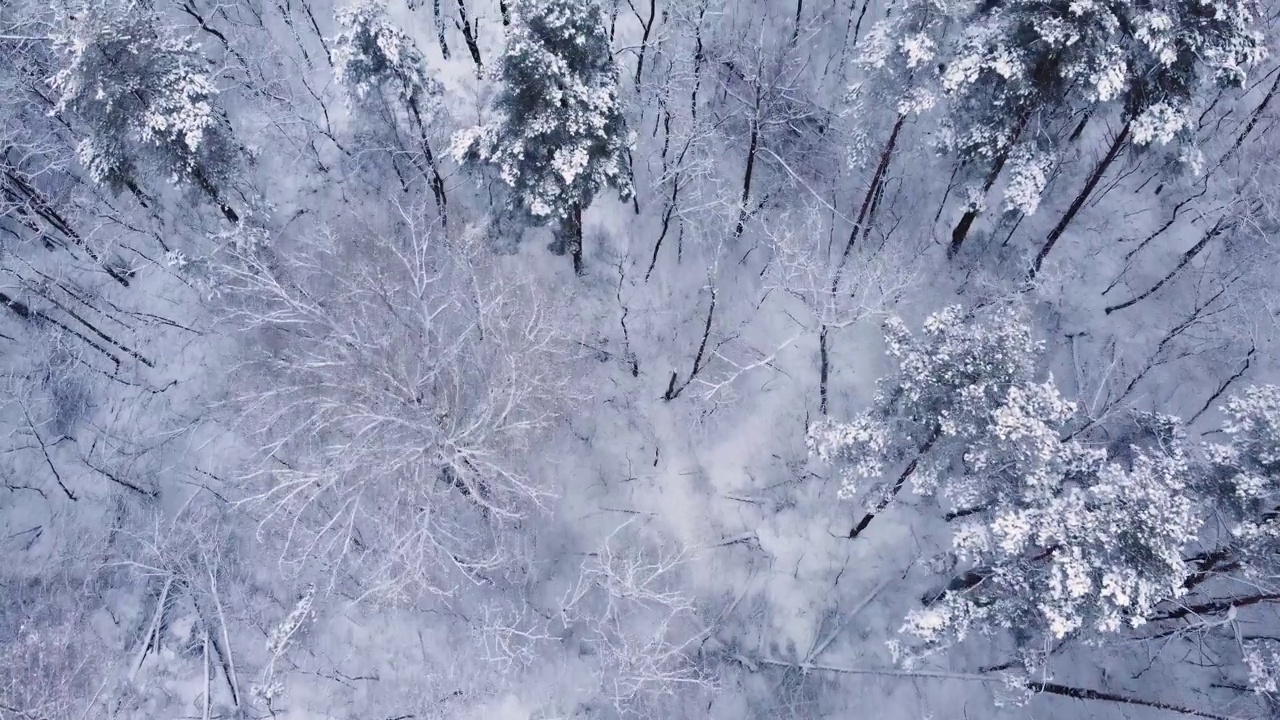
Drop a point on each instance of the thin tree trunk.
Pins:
(666, 224)
(698, 57)
(30, 199)
(795, 31)
(1054, 235)
(1215, 606)
(1220, 227)
(824, 369)
(857, 29)
(439, 18)
(437, 182)
(505, 11)
(203, 182)
(1088, 694)
(961, 230)
(469, 36)
(228, 659)
(673, 392)
(897, 486)
(1084, 122)
(746, 177)
(644, 39)
(1253, 119)
(17, 307)
(864, 219)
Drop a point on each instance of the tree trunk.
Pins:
(698, 56)
(574, 237)
(444, 44)
(1054, 235)
(961, 230)
(824, 369)
(644, 40)
(1253, 119)
(506, 13)
(29, 199)
(864, 212)
(897, 486)
(746, 178)
(1220, 227)
(436, 181)
(468, 34)
(203, 182)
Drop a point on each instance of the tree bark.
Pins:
(644, 39)
(961, 230)
(824, 369)
(575, 239)
(746, 177)
(864, 220)
(1101, 169)
(468, 34)
(437, 182)
(897, 486)
(1220, 227)
(439, 18)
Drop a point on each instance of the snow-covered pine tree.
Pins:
(1089, 543)
(1025, 76)
(145, 102)
(373, 57)
(1245, 480)
(937, 406)
(1057, 536)
(558, 135)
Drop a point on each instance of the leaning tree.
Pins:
(144, 104)
(379, 63)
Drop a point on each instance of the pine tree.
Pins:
(1058, 536)
(1025, 76)
(1245, 481)
(373, 57)
(558, 136)
(145, 103)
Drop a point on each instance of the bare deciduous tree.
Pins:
(401, 377)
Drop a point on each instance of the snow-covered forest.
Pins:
(536, 359)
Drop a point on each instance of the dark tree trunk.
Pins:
(506, 13)
(436, 181)
(746, 177)
(1254, 118)
(644, 40)
(1054, 235)
(444, 44)
(24, 195)
(1220, 227)
(1084, 122)
(698, 56)
(864, 220)
(897, 486)
(573, 235)
(469, 35)
(203, 182)
(824, 369)
(961, 230)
